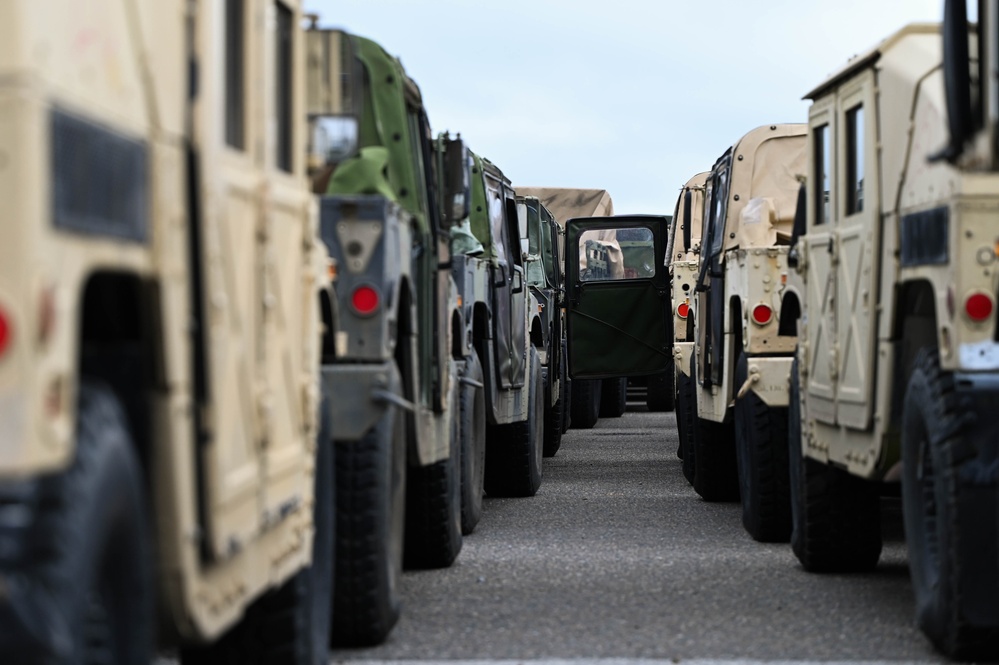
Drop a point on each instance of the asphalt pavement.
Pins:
(617, 558)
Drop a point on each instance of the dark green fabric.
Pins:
(619, 331)
(364, 174)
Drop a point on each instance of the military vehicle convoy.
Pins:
(682, 251)
(897, 372)
(498, 333)
(166, 465)
(744, 345)
(394, 379)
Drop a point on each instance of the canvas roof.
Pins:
(566, 202)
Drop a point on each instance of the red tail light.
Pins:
(978, 306)
(682, 310)
(762, 314)
(5, 332)
(365, 300)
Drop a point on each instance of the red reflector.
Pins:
(682, 310)
(978, 306)
(364, 300)
(762, 314)
(4, 332)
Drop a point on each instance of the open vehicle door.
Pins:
(617, 296)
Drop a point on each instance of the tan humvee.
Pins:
(682, 250)
(743, 352)
(898, 363)
(160, 277)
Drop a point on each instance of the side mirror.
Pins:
(332, 139)
(457, 180)
(334, 84)
(518, 281)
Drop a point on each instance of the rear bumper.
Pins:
(359, 394)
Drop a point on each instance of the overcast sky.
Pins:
(631, 96)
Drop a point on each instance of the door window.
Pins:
(821, 169)
(235, 74)
(855, 160)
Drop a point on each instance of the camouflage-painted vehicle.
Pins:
(394, 382)
(589, 400)
(499, 336)
(545, 241)
(682, 251)
(897, 370)
(745, 310)
(165, 466)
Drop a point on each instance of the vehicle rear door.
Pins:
(617, 303)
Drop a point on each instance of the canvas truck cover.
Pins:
(566, 203)
(764, 185)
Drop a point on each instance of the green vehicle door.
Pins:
(617, 289)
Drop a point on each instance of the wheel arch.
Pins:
(120, 342)
(737, 325)
(790, 315)
(330, 318)
(459, 347)
(914, 327)
(537, 333)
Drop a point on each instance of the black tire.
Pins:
(950, 525)
(370, 519)
(585, 404)
(291, 624)
(715, 475)
(554, 416)
(80, 572)
(835, 517)
(686, 427)
(566, 390)
(514, 451)
(472, 399)
(761, 454)
(659, 391)
(433, 508)
(613, 397)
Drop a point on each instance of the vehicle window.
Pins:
(719, 206)
(494, 197)
(235, 75)
(821, 179)
(706, 212)
(855, 160)
(416, 137)
(545, 248)
(614, 254)
(283, 87)
(536, 269)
